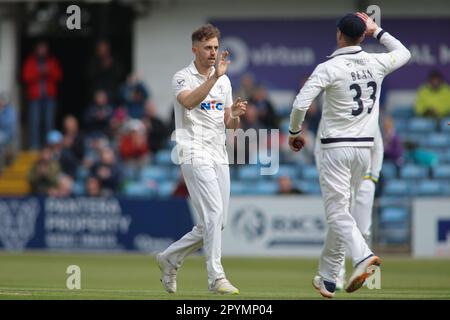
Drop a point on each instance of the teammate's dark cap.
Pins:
(351, 25)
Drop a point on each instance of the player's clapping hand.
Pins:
(222, 64)
(296, 143)
(371, 26)
(238, 108)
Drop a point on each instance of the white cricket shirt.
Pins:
(200, 132)
(351, 80)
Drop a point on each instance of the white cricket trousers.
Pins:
(209, 188)
(341, 171)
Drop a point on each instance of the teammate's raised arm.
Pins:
(398, 54)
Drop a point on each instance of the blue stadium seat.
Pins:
(138, 189)
(444, 125)
(411, 171)
(310, 172)
(403, 112)
(441, 172)
(389, 170)
(239, 188)
(421, 125)
(265, 188)
(157, 173)
(401, 125)
(393, 215)
(309, 187)
(163, 157)
(292, 171)
(165, 189)
(436, 140)
(78, 188)
(429, 188)
(250, 172)
(397, 188)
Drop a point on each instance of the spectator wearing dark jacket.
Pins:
(108, 172)
(98, 116)
(41, 73)
(157, 131)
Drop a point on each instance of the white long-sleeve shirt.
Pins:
(351, 80)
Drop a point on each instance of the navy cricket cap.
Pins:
(351, 25)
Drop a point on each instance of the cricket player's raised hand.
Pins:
(371, 26)
(222, 64)
(238, 108)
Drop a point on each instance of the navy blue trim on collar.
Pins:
(344, 53)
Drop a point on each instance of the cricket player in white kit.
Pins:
(203, 110)
(362, 202)
(351, 81)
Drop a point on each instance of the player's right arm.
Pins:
(398, 54)
(190, 99)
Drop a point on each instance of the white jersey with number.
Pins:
(351, 80)
(200, 132)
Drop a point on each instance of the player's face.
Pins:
(206, 52)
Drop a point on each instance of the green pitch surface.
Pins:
(126, 276)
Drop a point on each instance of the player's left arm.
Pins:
(315, 84)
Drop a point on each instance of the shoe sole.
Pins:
(323, 294)
(358, 282)
(235, 293)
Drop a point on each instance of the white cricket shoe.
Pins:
(168, 273)
(361, 272)
(340, 281)
(223, 286)
(325, 288)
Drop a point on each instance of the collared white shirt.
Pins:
(351, 81)
(200, 132)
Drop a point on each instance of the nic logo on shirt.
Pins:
(213, 105)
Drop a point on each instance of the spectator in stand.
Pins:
(433, 98)
(64, 189)
(98, 115)
(45, 173)
(118, 121)
(73, 137)
(93, 188)
(41, 73)
(62, 153)
(95, 145)
(134, 95)
(266, 110)
(314, 113)
(247, 88)
(133, 147)
(285, 186)
(157, 132)
(105, 72)
(393, 147)
(108, 172)
(8, 130)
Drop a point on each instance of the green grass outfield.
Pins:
(36, 275)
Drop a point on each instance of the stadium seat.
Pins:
(393, 215)
(436, 140)
(163, 157)
(403, 112)
(165, 189)
(421, 125)
(411, 171)
(239, 188)
(429, 188)
(78, 188)
(400, 125)
(441, 172)
(250, 172)
(157, 173)
(138, 189)
(292, 171)
(265, 188)
(389, 170)
(397, 188)
(394, 225)
(310, 172)
(444, 125)
(309, 187)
